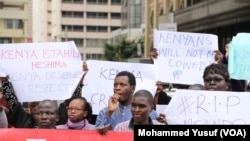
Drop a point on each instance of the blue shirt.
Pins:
(123, 113)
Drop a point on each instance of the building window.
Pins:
(96, 42)
(72, 1)
(91, 1)
(115, 15)
(97, 15)
(97, 29)
(72, 14)
(74, 28)
(13, 24)
(102, 29)
(78, 41)
(97, 2)
(5, 40)
(94, 56)
(115, 2)
(91, 28)
(102, 1)
(114, 28)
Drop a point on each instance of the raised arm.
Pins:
(78, 90)
(153, 55)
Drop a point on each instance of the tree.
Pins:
(120, 50)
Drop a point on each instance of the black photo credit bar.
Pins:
(194, 132)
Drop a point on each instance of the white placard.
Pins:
(183, 56)
(99, 82)
(208, 107)
(41, 71)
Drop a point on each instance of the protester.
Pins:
(79, 115)
(63, 114)
(118, 109)
(48, 114)
(3, 118)
(33, 109)
(161, 97)
(216, 77)
(16, 115)
(141, 106)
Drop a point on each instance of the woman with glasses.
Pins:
(79, 113)
(216, 77)
(78, 92)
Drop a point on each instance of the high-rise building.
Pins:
(88, 23)
(15, 21)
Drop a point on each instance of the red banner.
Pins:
(62, 135)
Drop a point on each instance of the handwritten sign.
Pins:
(208, 107)
(42, 70)
(183, 56)
(99, 82)
(239, 59)
(62, 135)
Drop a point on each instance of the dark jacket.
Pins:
(19, 118)
(163, 99)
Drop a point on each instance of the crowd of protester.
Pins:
(126, 107)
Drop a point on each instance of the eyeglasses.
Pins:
(71, 109)
(215, 79)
